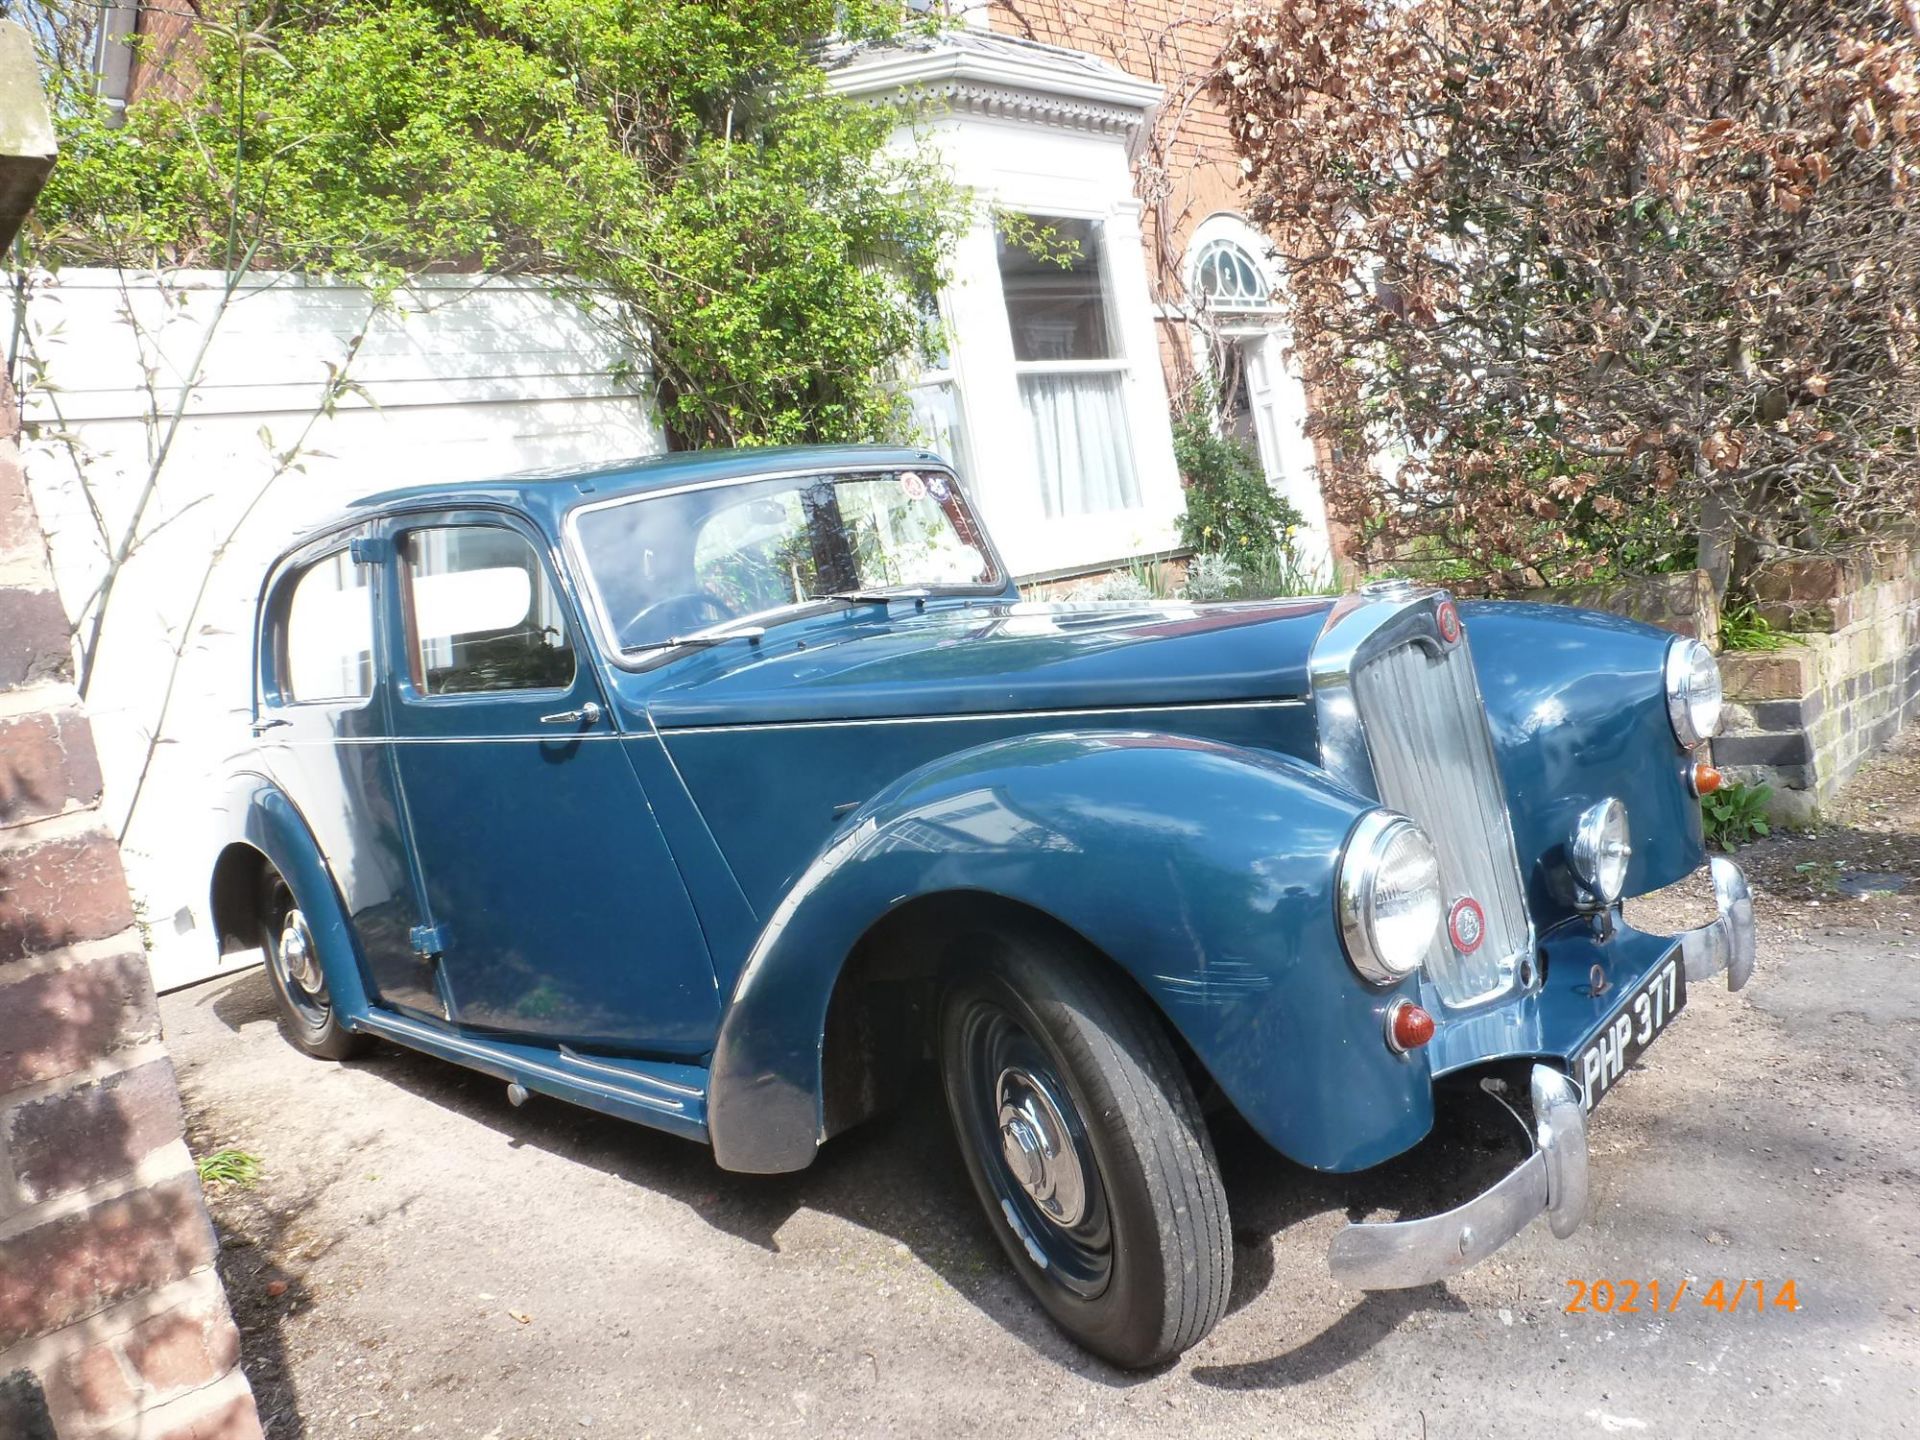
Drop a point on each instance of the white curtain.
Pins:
(1080, 443)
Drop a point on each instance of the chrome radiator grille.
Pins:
(1426, 734)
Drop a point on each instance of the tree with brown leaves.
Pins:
(1585, 286)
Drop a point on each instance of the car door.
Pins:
(321, 724)
(554, 907)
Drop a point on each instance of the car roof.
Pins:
(550, 493)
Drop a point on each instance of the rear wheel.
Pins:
(1087, 1148)
(299, 983)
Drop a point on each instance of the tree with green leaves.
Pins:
(681, 165)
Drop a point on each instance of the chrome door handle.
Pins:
(259, 726)
(587, 714)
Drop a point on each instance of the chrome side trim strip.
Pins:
(487, 1059)
(572, 1056)
(1279, 703)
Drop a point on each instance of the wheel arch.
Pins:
(1201, 871)
(886, 993)
(234, 895)
(267, 829)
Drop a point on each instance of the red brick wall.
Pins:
(113, 1324)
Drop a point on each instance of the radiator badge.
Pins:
(1466, 924)
(1448, 618)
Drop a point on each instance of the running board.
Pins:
(659, 1093)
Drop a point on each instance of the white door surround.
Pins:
(1231, 280)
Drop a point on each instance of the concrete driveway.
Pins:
(421, 1259)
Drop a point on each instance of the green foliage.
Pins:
(1276, 573)
(1044, 242)
(679, 165)
(1735, 814)
(229, 1167)
(1742, 627)
(1230, 506)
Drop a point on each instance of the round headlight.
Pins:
(1601, 849)
(1389, 896)
(1693, 691)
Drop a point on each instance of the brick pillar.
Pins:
(113, 1323)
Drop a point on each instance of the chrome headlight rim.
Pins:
(1682, 672)
(1356, 888)
(1588, 853)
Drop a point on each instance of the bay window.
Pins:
(1068, 364)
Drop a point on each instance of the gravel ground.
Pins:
(421, 1259)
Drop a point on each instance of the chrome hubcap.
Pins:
(298, 955)
(1038, 1147)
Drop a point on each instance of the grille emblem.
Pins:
(1466, 924)
(1448, 618)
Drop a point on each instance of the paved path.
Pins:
(422, 1259)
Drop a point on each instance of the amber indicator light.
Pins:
(1706, 779)
(1408, 1026)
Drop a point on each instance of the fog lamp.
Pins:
(1600, 851)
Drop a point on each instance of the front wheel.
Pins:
(1087, 1148)
(299, 983)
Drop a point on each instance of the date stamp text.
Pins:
(1650, 1297)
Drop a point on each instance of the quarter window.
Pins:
(481, 613)
(329, 634)
(1070, 367)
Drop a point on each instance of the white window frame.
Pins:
(1286, 453)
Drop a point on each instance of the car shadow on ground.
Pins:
(902, 1176)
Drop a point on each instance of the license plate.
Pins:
(1641, 1017)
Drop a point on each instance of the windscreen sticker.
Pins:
(937, 486)
(915, 487)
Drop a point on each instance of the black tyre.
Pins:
(299, 984)
(1087, 1148)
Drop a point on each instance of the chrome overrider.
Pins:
(1402, 1254)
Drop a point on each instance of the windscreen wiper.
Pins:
(875, 597)
(702, 640)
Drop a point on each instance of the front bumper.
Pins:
(1401, 1254)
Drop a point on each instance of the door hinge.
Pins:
(428, 941)
(369, 549)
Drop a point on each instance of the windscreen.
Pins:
(668, 566)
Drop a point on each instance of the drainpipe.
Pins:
(113, 60)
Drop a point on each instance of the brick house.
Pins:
(1094, 117)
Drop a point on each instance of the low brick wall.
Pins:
(1801, 719)
(113, 1323)
(1683, 601)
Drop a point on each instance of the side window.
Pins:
(481, 614)
(329, 632)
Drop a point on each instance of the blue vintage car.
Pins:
(715, 790)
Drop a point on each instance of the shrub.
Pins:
(1230, 506)
(1212, 575)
